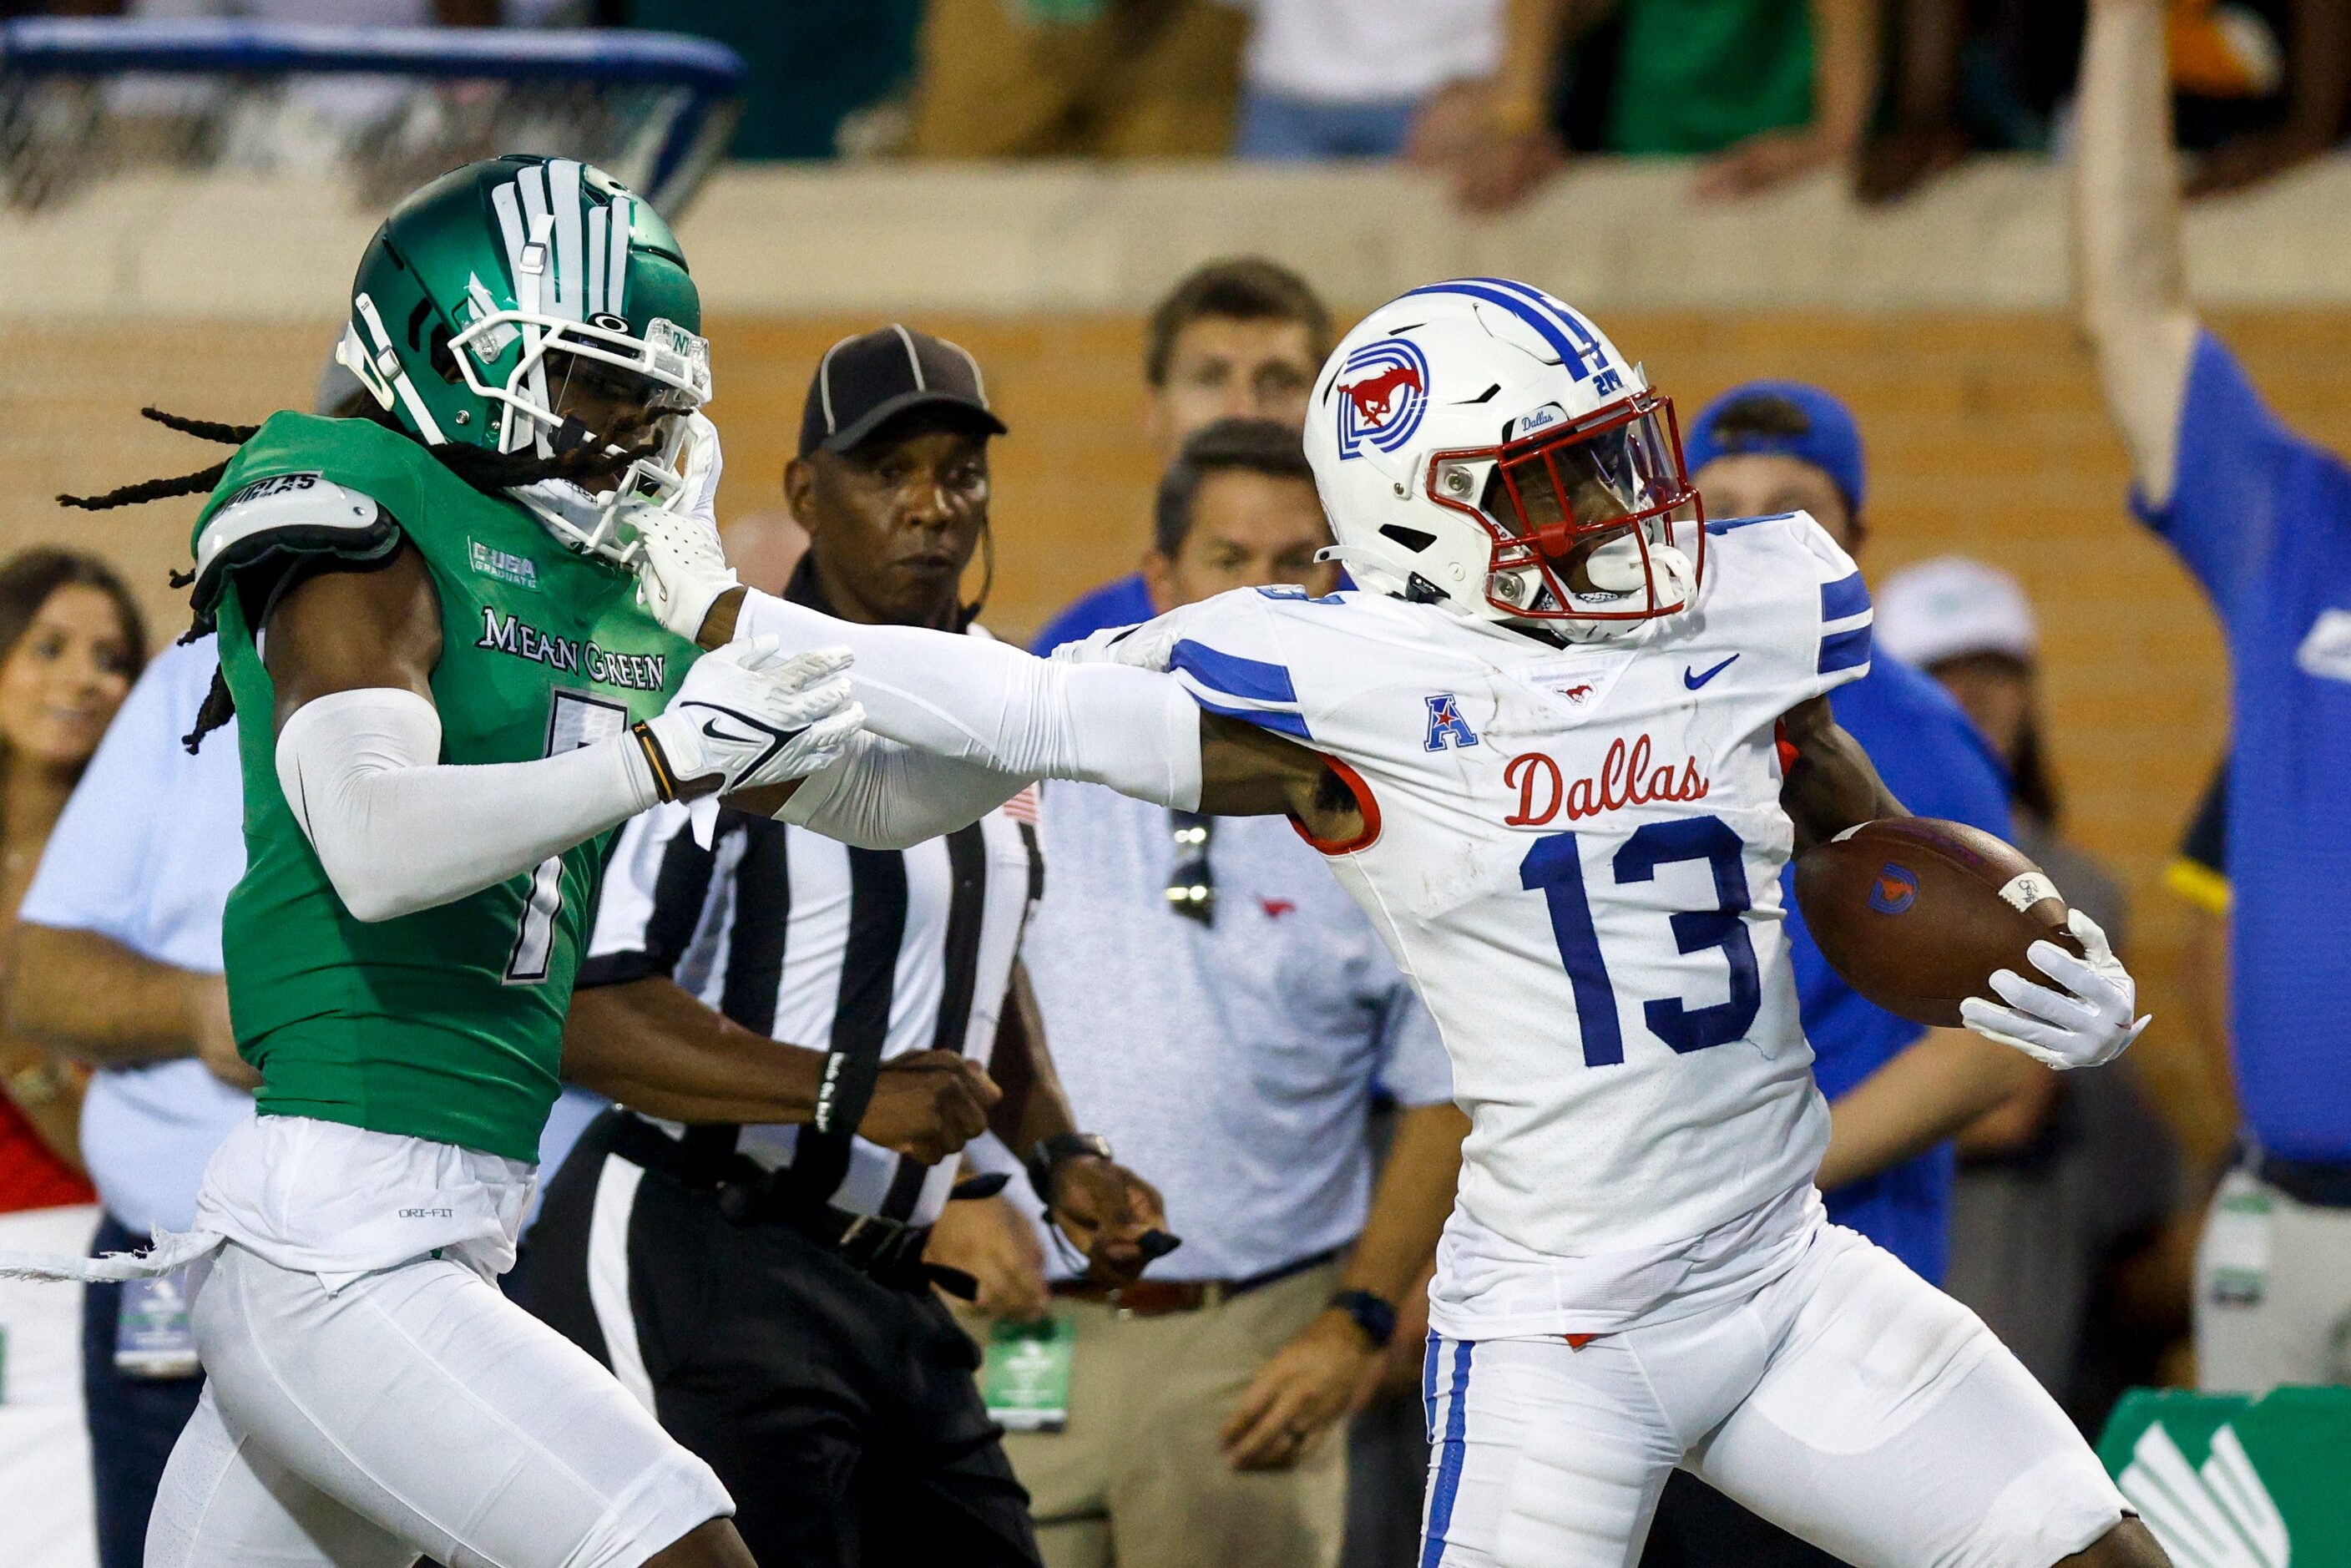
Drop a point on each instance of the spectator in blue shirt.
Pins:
(1778, 446)
(1896, 1091)
(1238, 339)
(117, 963)
(2261, 517)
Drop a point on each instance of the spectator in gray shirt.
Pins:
(1227, 1018)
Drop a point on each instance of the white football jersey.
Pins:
(1574, 852)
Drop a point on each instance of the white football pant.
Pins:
(414, 1410)
(1847, 1401)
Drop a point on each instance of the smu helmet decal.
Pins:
(1383, 389)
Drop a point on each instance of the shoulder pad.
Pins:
(1228, 651)
(1798, 588)
(293, 514)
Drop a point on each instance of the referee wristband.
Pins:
(1049, 1154)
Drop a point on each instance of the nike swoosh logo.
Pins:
(1693, 680)
(777, 738)
(710, 727)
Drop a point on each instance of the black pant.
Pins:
(133, 1421)
(840, 1411)
(1698, 1527)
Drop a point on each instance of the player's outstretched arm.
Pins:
(351, 653)
(882, 795)
(1831, 785)
(978, 720)
(2133, 271)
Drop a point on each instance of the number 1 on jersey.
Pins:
(1554, 864)
(534, 941)
(573, 720)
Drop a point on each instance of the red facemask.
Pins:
(1557, 495)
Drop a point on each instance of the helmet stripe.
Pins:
(598, 287)
(509, 210)
(530, 183)
(1546, 326)
(1577, 327)
(571, 252)
(616, 270)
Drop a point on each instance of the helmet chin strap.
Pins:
(1367, 565)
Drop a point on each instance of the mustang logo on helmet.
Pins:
(1386, 397)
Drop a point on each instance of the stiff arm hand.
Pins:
(749, 716)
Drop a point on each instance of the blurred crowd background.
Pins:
(1495, 94)
(2004, 559)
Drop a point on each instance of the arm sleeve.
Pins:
(884, 796)
(2233, 457)
(652, 899)
(398, 831)
(977, 701)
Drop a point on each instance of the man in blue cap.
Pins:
(1897, 1093)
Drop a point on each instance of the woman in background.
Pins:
(2064, 1191)
(71, 642)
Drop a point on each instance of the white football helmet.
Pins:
(1479, 443)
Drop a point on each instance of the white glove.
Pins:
(749, 716)
(2085, 1025)
(681, 568)
(700, 464)
(1145, 647)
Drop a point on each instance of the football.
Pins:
(1916, 913)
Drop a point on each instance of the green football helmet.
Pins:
(525, 303)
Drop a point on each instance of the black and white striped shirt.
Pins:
(869, 953)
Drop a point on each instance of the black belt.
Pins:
(1158, 1298)
(2321, 1184)
(750, 1194)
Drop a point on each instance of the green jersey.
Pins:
(446, 1024)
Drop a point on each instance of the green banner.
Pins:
(2229, 1481)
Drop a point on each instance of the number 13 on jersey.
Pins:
(1555, 866)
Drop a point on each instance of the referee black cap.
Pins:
(863, 382)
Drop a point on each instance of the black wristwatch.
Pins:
(1374, 1315)
(1046, 1157)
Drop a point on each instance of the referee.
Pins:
(761, 1288)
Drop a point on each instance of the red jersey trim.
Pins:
(1365, 803)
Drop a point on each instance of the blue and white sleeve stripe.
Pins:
(1845, 617)
(1255, 690)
